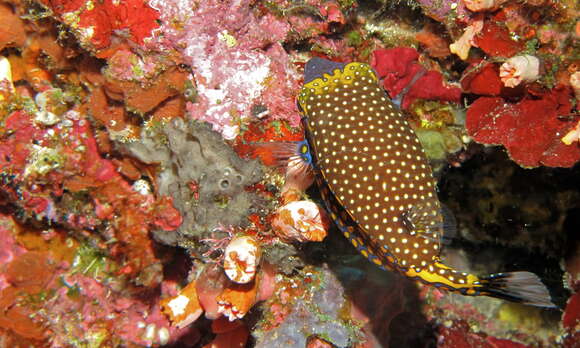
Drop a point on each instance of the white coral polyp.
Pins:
(230, 311)
(518, 69)
(300, 221)
(462, 46)
(241, 259)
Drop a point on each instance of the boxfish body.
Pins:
(378, 186)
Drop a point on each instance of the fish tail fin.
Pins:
(293, 156)
(521, 287)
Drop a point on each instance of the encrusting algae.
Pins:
(377, 183)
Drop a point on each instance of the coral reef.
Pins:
(142, 204)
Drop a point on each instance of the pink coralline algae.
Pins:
(100, 310)
(440, 10)
(223, 41)
(531, 130)
(400, 70)
(10, 249)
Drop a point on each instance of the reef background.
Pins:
(135, 210)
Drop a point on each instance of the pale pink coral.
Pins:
(235, 57)
(575, 83)
(5, 76)
(483, 5)
(462, 46)
(572, 136)
(518, 69)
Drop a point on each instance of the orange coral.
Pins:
(28, 275)
(184, 308)
(141, 99)
(237, 299)
(435, 45)
(38, 77)
(111, 116)
(18, 318)
(171, 108)
(31, 269)
(56, 244)
(12, 31)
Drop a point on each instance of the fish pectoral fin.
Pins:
(294, 156)
(423, 222)
(279, 153)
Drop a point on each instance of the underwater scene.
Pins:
(290, 173)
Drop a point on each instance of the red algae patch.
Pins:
(531, 130)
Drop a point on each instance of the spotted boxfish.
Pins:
(378, 186)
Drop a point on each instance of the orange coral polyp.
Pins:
(237, 299)
(184, 308)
